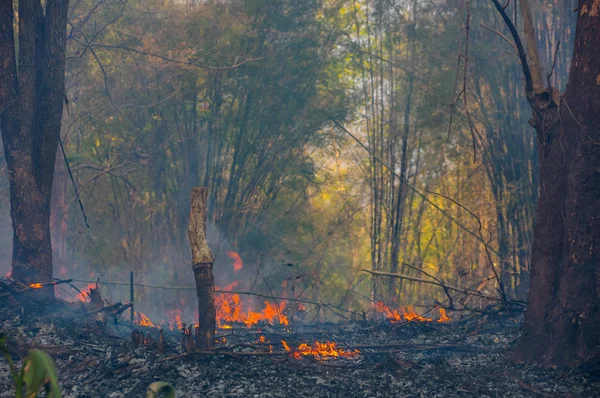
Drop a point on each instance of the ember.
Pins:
(36, 286)
(320, 351)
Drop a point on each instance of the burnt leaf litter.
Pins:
(464, 358)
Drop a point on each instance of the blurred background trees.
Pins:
(247, 97)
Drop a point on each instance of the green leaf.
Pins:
(17, 376)
(160, 388)
(40, 371)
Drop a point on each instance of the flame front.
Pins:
(411, 315)
(407, 314)
(320, 351)
(230, 309)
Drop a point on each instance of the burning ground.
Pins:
(393, 357)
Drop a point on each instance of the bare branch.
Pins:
(522, 54)
(499, 34)
(235, 64)
(420, 280)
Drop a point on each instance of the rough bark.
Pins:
(562, 322)
(31, 100)
(202, 265)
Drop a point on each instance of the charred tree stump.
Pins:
(202, 265)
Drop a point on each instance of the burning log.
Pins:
(202, 264)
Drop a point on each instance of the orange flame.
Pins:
(237, 261)
(411, 315)
(394, 316)
(84, 294)
(142, 320)
(36, 285)
(443, 316)
(174, 319)
(320, 351)
(230, 309)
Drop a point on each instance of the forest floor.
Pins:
(468, 358)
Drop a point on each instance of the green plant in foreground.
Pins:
(160, 388)
(38, 371)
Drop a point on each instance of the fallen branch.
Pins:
(389, 347)
(22, 288)
(113, 310)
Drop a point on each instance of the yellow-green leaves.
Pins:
(160, 389)
(39, 371)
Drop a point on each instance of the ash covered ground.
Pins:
(467, 358)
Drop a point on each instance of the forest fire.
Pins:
(407, 314)
(320, 351)
(36, 285)
(230, 309)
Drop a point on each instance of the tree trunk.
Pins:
(31, 100)
(202, 265)
(59, 216)
(562, 322)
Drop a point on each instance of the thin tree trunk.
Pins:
(202, 265)
(401, 196)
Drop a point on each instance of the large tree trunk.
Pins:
(562, 322)
(31, 100)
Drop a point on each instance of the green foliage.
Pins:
(160, 389)
(38, 371)
(239, 95)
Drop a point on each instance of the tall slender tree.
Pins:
(32, 91)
